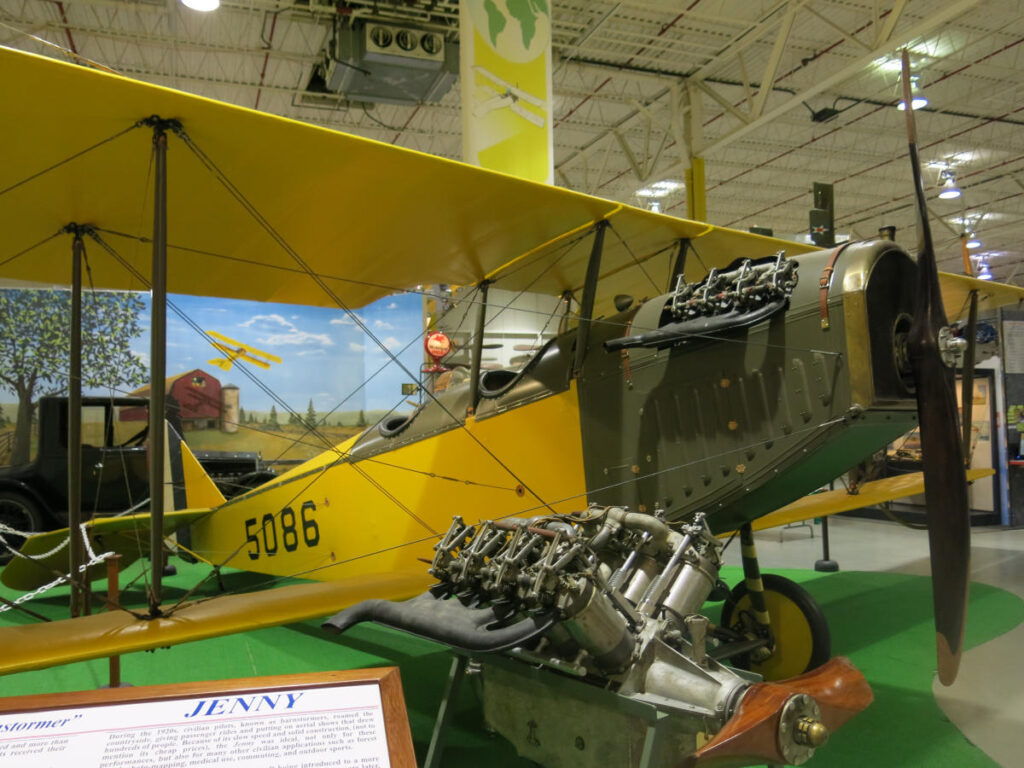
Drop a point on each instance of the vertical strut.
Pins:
(478, 348)
(679, 265)
(158, 366)
(752, 576)
(589, 296)
(77, 549)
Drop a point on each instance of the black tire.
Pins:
(802, 640)
(20, 513)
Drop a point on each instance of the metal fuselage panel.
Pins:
(745, 423)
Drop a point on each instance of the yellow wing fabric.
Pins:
(956, 294)
(127, 536)
(37, 646)
(868, 495)
(366, 217)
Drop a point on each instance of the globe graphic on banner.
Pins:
(518, 30)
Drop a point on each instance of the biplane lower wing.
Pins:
(867, 495)
(36, 646)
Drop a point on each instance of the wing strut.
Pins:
(158, 361)
(478, 347)
(76, 549)
(589, 295)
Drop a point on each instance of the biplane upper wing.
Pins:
(367, 218)
(869, 494)
(956, 290)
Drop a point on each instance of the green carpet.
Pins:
(880, 620)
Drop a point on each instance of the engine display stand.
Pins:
(556, 720)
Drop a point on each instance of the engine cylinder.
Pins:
(691, 587)
(646, 570)
(601, 630)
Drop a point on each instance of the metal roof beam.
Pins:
(937, 19)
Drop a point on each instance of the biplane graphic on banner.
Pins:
(505, 52)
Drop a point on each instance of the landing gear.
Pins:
(779, 613)
(799, 633)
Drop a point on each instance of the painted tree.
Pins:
(311, 418)
(35, 346)
(272, 419)
(241, 415)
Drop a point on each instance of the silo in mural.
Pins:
(229, 408)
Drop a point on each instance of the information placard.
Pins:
(353, 719)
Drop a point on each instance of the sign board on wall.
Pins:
(353, 719)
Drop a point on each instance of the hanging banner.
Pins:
(506, 86)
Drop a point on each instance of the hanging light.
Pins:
(917, 99)
(654, 205)
(213, 5)
(984, 273)
(950, 191)
(973, 241)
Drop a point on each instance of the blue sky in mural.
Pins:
(325, 356)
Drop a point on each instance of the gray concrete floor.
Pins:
(987, 701)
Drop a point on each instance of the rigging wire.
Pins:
(636, 261)
(277, 237)
(69, 158)
(536, 508)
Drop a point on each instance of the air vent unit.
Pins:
(391, 64)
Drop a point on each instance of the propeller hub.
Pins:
(800, 729)
(811, 732)
(951, 347)
(901, 350)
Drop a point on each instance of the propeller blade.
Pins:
(942, 453)
(761, 730)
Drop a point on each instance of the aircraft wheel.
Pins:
(20, 513)
(802, 640)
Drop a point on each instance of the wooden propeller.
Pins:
(755, 733)
(941, 447)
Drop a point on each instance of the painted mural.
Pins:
(285, 379)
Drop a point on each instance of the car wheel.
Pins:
(22, 516)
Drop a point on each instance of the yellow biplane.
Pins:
(235, 350)
(705, 377)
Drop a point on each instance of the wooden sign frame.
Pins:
(387, 679)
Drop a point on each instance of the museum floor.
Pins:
(878, 605)
(987, 701)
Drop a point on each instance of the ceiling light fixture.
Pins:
(205, 5)
(984, 273)
(917, 99)
(973, 241)
(659, 188)
(950, 191)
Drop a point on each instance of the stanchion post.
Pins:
(826, 564)
(113, 602)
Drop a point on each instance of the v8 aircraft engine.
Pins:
(588, 635)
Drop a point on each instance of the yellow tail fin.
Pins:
(200, 490)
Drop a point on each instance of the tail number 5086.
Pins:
(285, 529)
